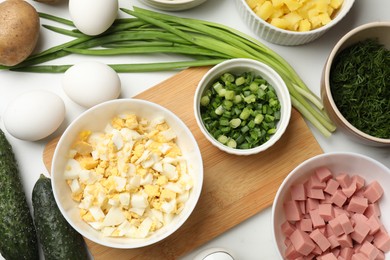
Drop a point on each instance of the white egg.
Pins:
(93, 17)
(90, 83)
(34, 115)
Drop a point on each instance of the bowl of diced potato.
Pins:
(292, 22)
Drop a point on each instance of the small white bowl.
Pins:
(95, 119)
(338, 163)
(173, 5)
(236, 67)
(279, 36)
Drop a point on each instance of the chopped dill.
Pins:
(360, 85)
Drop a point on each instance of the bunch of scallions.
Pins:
(204, 43)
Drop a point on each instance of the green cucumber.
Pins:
(58, 239)
(18, 239)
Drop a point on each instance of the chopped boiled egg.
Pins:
(130, 179)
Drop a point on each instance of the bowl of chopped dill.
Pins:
(355, 85)
(242, 106)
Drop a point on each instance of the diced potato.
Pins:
(253, 3)
(278, 13)
(277, 3)
(330, 11)
(279, 22)
(296, 15)
(336, 4)
(265, 10)
(325, 19)
(293, 19)
(292, 4)
(304, 25)
(315, 21)
(322, 6)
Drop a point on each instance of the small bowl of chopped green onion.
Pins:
(355, 85)
(242, 106)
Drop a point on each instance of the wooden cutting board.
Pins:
(235, 187)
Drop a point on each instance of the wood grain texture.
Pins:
(235, 187)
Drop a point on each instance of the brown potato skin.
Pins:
(19, 31)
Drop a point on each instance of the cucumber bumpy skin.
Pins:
(18, 238)
(58, 239)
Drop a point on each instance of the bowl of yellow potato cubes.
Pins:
(292, 22)
(127, 173)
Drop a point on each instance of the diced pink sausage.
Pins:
(360, 232)
(369, 250)
(333, 241)
(329, 256)
(336, 252)
(292, 211)
(287, 242)
(359, 181)
(336, 227)
(374, 224)
(357, 204)
(287, 228)
(350, 190)
(320, 240)
(316, 218)
(359, 256)
(315, 183)
(302, 242)
(373, 192)
(334, 218)
(339, 198)
(315, 193)
(345, 240)
(345, 223)
(331, 186)
(311, 204)
(302, 206)
(305, 225)
(298, 192)
(346, 252)
(323, 174)
(372, 209)
(326, 211)
(344, 180)
(291, 253)
(382, 241)
(381, 256)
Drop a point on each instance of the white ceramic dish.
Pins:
(238, 66)
(173, 5)
(279, 36)
(337, 162)
(379, 30)
(95, 119)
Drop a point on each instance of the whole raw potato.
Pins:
(19, 31)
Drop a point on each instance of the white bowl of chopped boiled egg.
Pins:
(127, 173)
(291, 22)
(334, 206)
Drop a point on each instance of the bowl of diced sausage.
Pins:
(333, 206)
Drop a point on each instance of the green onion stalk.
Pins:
(204, 43)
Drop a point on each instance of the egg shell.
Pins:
(90, 83)
(34, 115)
(93, 17)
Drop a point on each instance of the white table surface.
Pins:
(251, 239)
